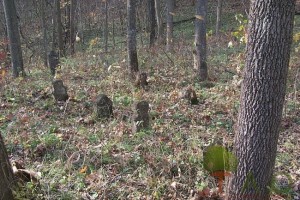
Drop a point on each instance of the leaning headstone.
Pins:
(141, 116)
(60, 91)
(53, 61)
(104, 107)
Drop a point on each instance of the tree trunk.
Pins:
(131, 36)
(6, 174)
(59, 29)
(159, 21)
(219, 12)
(113, 33)
(262, 98)
(14, 37)
(72, 25)
(44, 27)
(106, 25)
(151, 14)
(170, 13)
(200, 61)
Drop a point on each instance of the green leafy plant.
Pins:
(241, 33)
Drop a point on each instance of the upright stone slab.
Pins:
(60, 91)
(104, 107)
(141, 116)
(53, 61)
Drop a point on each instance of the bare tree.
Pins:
(159, 21)
(219, 12)
(200, 61)
(42, 8)
(14, 37)
(262, 97)
(131, 36)
(6, 174)
(72, 25)
(151, 14)
(170, 25)
(59, 28)
(106, 25)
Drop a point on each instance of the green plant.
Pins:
(241, 32)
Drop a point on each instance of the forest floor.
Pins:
(76, 156)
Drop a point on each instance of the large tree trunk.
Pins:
(131, 36)
(170, 25)
(151, 13)
(6, 174)
(200, 61)
(159, 21)
(14, 37)
(72, 25)
(262, 97)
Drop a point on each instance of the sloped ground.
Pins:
(79, 157)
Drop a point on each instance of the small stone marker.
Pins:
(104, 107)
(190, 94)
(141, 116)
(141, 81)
(53, 61)
(60, 91)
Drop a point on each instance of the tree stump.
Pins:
(53, 61)
(60, 91)
(141, 116)
(104, 107)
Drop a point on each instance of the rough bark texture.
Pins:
(151, 13)
(170, 25)
(200, 61)
(14, 37)
(131, 37)
(262, 98)
(6, 174)
(159, 20)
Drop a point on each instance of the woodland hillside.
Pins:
(63, 149)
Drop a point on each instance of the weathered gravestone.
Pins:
(141, 116)
(141, 81)
(53, 61)
(103, 107)
(60, 91)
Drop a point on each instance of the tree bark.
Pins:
(131, 37)
(106, 26)
(170, 13)
(6, 174)
(159, 21)
(72, 25)
(44, 29)
(262, 98)
(14, 37)
(219, 12)
(59, 29)
(200, 60)
(151, 14)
